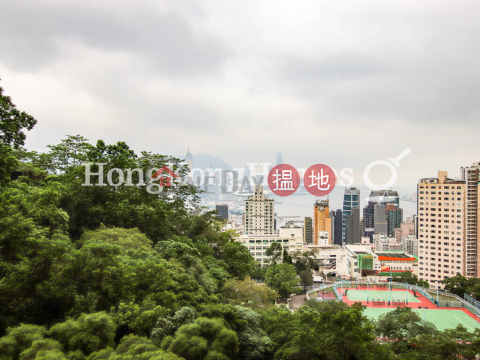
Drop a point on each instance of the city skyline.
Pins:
(369, 93)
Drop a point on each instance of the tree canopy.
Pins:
(115, 272)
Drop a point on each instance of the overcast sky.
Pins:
(337, 82)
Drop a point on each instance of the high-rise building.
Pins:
(308, 230)
(380, 220)
(368, 221)
(322, 222)
(384, 197)
(189, 159)
(441, 228)
(338, 227)
(332, 217)
(222, 211)
(351, 200)
(259, 214)
(472, 210)
(394, 218)
(380, 197)
(279, 159)
(353, 227)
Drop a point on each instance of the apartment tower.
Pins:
(441, 228)
(472, 209)
(259, 214)
(322, 223)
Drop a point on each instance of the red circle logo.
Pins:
(319, 180)
(283, 180)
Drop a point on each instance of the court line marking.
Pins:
(464, 323)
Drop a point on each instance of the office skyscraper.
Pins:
(380, 219)
(351, 200)
(222, 211)
(279, 159)
(332, 217)
(338, 227)
(189, 159)
(353, 227)
(385, 198)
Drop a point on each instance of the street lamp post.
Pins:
(367, 291)
(437, 295)
(389, 285)
(406, 295)
(424, 316)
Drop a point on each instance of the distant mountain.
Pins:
(206, 161)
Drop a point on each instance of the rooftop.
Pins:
(395, 255)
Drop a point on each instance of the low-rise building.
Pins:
(382, 242)
(331, 258)
(410, 245)
(290, 236)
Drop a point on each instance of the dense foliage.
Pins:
(114, 272)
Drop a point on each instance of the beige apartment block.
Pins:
(259, 214)
(441, 228)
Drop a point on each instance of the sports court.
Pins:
(375, 295)
(442, 319)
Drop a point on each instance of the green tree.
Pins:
(304, 260)
(321, 330)
(410, 278)
(254, 341)
(282, 278)
(205, 339)
(274, 251)
(8, 163)
(47, 348)
(249, 293)
(167, 326)
(70, 154)
(19, 339)
(287, 259)
(238, 260)
(401, 326)
(126, 239)
(134, 347)
(460, 285)
(306, 278)
(13, 122)
(89, 333)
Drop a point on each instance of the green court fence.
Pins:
(472, 303)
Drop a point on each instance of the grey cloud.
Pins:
(432, 90)
(31, 34)
(334, 67)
